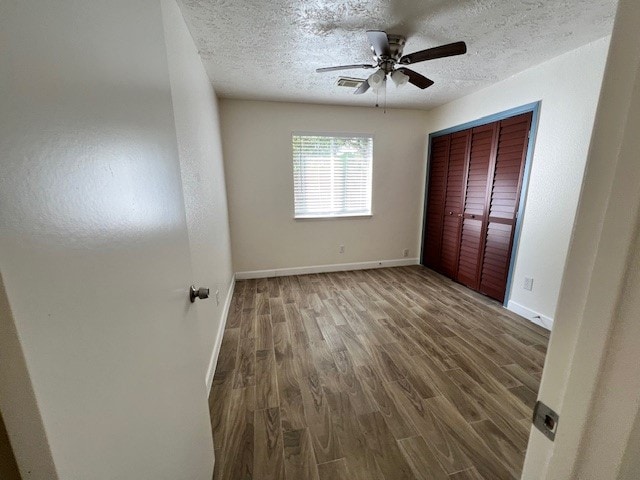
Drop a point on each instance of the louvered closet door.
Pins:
(454, 202)
(438, 165)
(477, 191)
(513, 135)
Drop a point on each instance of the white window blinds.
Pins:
(332, 175)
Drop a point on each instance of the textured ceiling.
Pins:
(269, 49)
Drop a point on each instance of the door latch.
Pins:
(545, 420)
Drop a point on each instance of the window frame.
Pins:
(335, 135)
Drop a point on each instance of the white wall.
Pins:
(258, 161)
(195, 110)
(568, 87)
(616, 402)
(591, 376)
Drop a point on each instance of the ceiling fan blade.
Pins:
(362, 88)
(344, 67)
(449, 50)
(417, 79)
(380, 42)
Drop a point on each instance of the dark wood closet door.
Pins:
(436, 189)
(454, 202)
(502, 206)
(474, 192)
(474, 218)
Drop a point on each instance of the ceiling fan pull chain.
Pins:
(384, 95)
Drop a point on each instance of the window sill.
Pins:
(332, 217)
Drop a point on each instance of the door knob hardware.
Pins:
(450, 213)
(200, 293)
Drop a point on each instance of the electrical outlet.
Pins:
(405, 252)
(217, 297)
(341, 248)
(528, 283)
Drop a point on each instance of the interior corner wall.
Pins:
(195, 109)
(568, 87)
(259, 170)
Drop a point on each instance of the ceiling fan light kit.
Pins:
(387, 53)
(399, 78)
(376, 79)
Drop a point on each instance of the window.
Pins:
(332, 175)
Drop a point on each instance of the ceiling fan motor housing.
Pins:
(396, 46)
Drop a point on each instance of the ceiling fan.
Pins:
(387, 53)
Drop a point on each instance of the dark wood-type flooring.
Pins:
(376, 374)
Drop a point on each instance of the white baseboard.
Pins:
(338, 267)
(531, 315)
(219, 334)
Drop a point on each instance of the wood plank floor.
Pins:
(376, 374)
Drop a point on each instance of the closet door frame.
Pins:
(534, 108)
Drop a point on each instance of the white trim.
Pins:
(531, 315)
(339, 267)
(218, 341)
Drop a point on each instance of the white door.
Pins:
(200, 147)
(94, 252)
